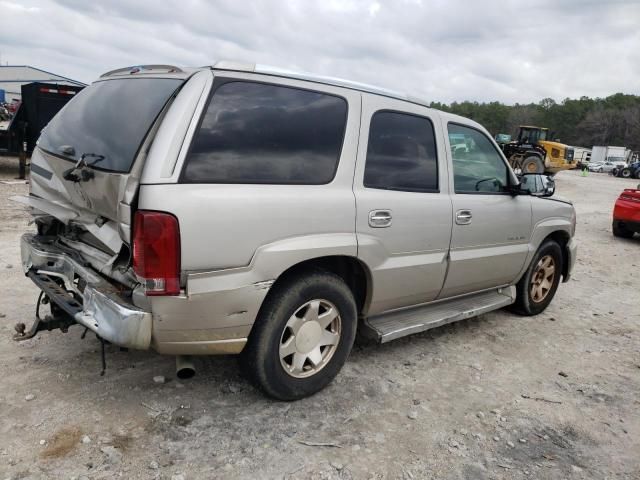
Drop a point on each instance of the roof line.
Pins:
(45, 71)
(231, 65)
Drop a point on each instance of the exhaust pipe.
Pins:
(184, 367)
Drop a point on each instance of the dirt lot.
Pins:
(499, 396)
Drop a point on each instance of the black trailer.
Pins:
(40, 103)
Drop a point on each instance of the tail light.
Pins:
(156, 252)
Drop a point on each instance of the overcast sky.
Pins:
(442, 50)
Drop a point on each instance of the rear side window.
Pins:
(109, 119)
(401, 154)
(260, 133)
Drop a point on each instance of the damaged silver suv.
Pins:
(239, 209)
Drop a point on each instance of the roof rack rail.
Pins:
(139, 68)
(339, 82)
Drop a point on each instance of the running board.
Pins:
(393, 325)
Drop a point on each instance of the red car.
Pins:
(626, 213)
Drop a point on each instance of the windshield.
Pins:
(108, 119)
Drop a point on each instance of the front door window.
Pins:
(477, 165)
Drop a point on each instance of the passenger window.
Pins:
(401, 154)
(477, 165)
(260, 133)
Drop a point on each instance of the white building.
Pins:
(12, 77)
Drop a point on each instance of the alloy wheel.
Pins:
(310, 338)
(542, 278)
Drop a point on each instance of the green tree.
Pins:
(614, 120)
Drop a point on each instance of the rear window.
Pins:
(108, 119)
(261, 133)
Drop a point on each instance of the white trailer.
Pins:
(598, 154)
(615, 155)
(581, 155)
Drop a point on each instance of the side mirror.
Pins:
(537, 184)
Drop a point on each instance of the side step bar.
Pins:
(393, 325)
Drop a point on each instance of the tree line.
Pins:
(585, 122)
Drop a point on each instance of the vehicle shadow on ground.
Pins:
(134, 369)
(635, 240)
(9, 168)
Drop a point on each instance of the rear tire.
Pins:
(532, 164)
(626, 173)
(286, 355)
(538, 285)
(619, 230)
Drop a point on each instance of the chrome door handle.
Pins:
(463, 217)
(380, 218)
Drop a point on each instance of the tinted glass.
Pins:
(257, 133)
(477, 165)
(109, 118)
(401, 154)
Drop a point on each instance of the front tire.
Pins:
(538, 285)
(303, 335)
(626, 173)
(619, 230)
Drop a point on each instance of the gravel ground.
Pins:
(494, 397)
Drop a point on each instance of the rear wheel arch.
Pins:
(353, 271)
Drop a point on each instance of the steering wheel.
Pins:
(496, 183)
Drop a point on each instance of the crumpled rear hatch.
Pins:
(85, 170)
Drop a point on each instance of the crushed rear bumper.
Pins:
(105, 309)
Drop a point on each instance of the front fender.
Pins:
(542, 230)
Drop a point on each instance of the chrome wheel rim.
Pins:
(310, 338)
(542, 278)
